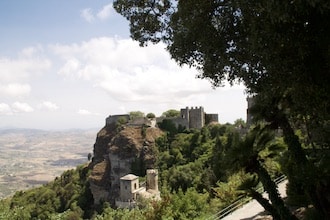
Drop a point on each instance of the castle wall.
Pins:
(196, 117)
(211, 118)
(114, 118)
(180, 121)
(143, 121)
(184, 112)
(189, 118)
(135, 122)
(192, 118)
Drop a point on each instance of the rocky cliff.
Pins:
(120, 150)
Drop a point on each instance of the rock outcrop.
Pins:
(118, 151)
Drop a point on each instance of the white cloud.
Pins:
(130, 73)
(105, 12)
(87, 14)
(5, 109)
(21, 107)
(86, 112)
(30, 62)
(30, 51)
(15, 89)
(47, 105)
(69, 68)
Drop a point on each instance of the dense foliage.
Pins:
(197, 179)
(136, 114)
(171, 113)
(68, 194)
(278, 49)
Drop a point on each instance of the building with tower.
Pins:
(194, 117)
(131, 190)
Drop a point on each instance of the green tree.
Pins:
(121, 121)
(136, 114)
(276, 48)
(169, 126)
(172, 113)
(217, 130)
(239, 123)
(256, 147)
(89, 156)
(69, 193)
(308, 172)
(257, 42)
(218, 158)
(189, 205)
(151, 115)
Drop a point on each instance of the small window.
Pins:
(125, 187)
(134, 185)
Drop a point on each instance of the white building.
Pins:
(130, 189)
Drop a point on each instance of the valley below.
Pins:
(29, 158)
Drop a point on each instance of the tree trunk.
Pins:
(294, 145)
(274, 196)
(307, 171)
(265, 203)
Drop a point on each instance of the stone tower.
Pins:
(192, 117)
(185, 113)
(196, 117)
(152, 179)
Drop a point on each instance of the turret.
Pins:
(152, 179)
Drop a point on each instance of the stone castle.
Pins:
(189, 118)
(131, 190)
(115, 152)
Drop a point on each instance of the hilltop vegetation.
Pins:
(197, 179)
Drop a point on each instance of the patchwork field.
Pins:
(29, 158)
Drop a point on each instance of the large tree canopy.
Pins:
(235, 39)
(273, 47)
(266, 44)
(279, 49)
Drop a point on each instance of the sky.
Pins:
(70, 64)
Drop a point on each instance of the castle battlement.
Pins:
(194, 117)
(114, 118)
